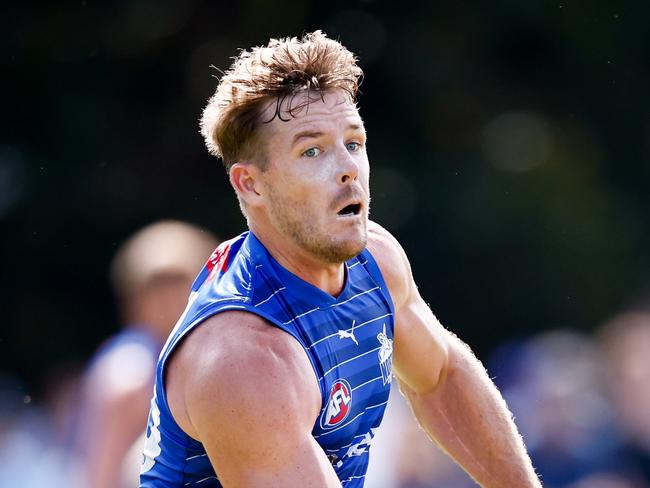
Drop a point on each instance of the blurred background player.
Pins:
(625, 340)
(151, 275)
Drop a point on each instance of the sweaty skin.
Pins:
(228, 380)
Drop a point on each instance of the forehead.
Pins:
(322, 112)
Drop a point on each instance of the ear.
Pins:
(245, 179)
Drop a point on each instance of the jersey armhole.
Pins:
(373, 270)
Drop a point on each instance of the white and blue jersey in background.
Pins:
(348, 339)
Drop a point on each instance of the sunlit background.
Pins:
(510, 154)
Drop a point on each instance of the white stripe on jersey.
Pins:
(194, 457)
(331, 306)
(201, 481)
(347, 361)
(352, 478)
(356, 327)
(358, 262)
(369, 381)
(271, 296)
(355, 296)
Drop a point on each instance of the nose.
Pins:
(348, 168)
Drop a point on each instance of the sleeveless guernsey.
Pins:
(348, 340)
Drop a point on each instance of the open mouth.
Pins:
(350, 210)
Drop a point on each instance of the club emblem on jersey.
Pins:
(338, 405)
(385, 356)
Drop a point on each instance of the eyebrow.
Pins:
(306, 134)
(312, 134)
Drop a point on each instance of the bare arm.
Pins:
(247, 391)
(448, 388)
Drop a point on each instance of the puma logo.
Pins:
(348, 334)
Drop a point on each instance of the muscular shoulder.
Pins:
(392, 261)
(238, 358)
(251, 398)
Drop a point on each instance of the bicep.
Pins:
(253, 407)
(421, 346)
(249, 458)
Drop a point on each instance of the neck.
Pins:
(329, 277)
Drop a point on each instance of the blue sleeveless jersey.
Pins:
(348, 339)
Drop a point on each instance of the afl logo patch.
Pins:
(338, 405)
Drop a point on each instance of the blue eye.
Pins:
(353, 146)
(312, 152)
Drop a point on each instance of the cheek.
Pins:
(308, 185)
(364, 177)
(363, 170)
(294, 195)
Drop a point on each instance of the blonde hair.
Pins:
(165, 249)
(277, 72)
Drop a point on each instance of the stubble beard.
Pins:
(294, 221)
